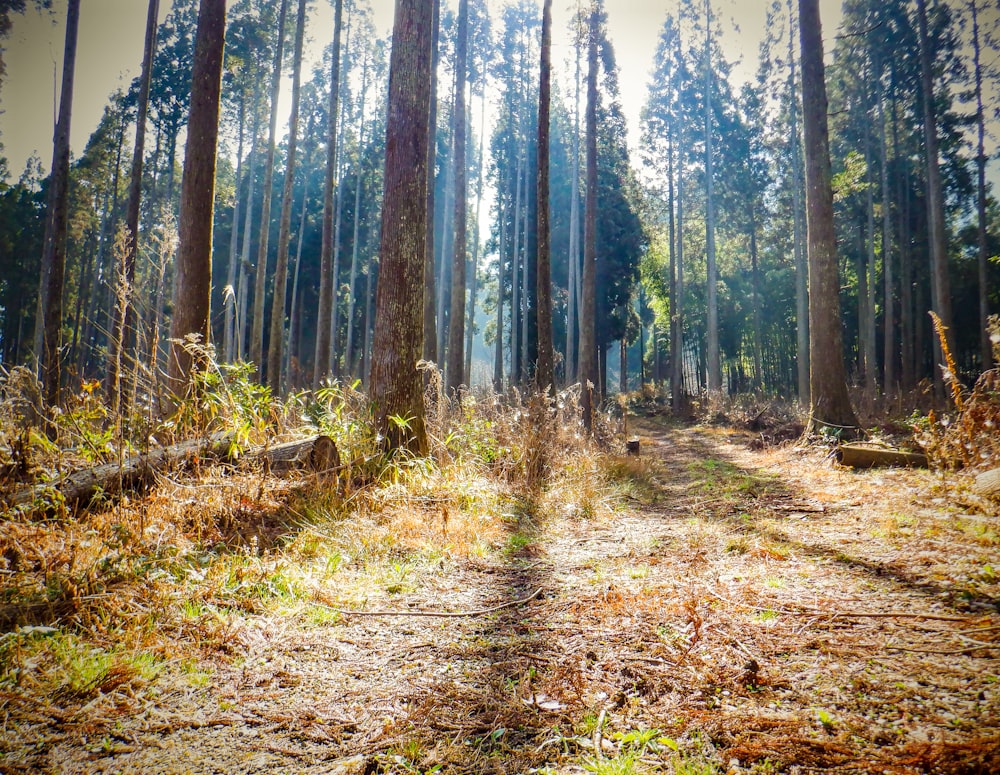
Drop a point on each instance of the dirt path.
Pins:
(734, 612)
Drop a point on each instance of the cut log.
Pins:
(987, 484)
(134, 473)
(861, 456)
(318, 454)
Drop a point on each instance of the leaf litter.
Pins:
(706, 608)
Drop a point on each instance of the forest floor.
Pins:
(712, 610)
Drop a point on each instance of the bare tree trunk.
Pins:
(889, 305)
(193, 283)
(229, 293)
(54, 256)
(474, 279)
(938, 238)
(544, 371)
(260, 281)
(830, 404)
(123, 328)
(349, 349)
(712, 279)
(430, 350)
(277, 336)
(588, 311)
(798, 230)
(246, 268)
(456, 315)
(396, 384)
(326, 290)
(985, 348)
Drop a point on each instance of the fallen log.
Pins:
(862, 456)
(317, 454)
(78, 489)
(987, 484)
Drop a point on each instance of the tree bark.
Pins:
(260, 279)
(544, 371)
(588, 312)
(396, 384)
(456, 315)
(277, 334)
(193, 282)
(985, 348)
(430, 348)
(936, 234)
(830, 405)
(54, 256)
(326, 290)
(123, 325)
(712, 279)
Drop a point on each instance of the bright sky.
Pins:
(110, 51)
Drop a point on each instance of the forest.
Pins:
(411, 408)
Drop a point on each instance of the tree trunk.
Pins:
(396, 384)
(544, 371)
(830, 405)
(229, 292)
(430, 349)
(277, 335)
(123, 325)
(456, 315)
(246, 268)
(324, 313)
(588, 311)
(712, 279)
(985, 348)
(938, 238)
(260, 280)
(193, 283)
(798, 221)
(54, 256)
(474, 277)
(890, 347)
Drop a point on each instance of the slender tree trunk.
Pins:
(889, 353)
(260, 280)
(430, 349)
(396, 384)
(676, 277)
(758, 326)
(357, 220)
(123, 328)
(337, 230)
(985, 348)
(938, 238)
(712, 279)
(277, 336)
(544, 371)
(515, 281)
(798, 226)
(871, 358)
(474, 277)
(229, 293)
(292, 350)
(193, 284)
(456, 315)
(830, 404)
(326, 289)
(54, 257)
(588, 311)
(246, 268)
(498, 344)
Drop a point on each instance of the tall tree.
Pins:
(260, 280)
(712, 278)
(456, 315)
(193, 283)
(588, 305)
(430, 349)
(124, 318)
(277, 337)
(830, 405)
(982, 249)
(396, 385)
(936, 234)
(544, 371)
(54, 255)
(326, 289)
